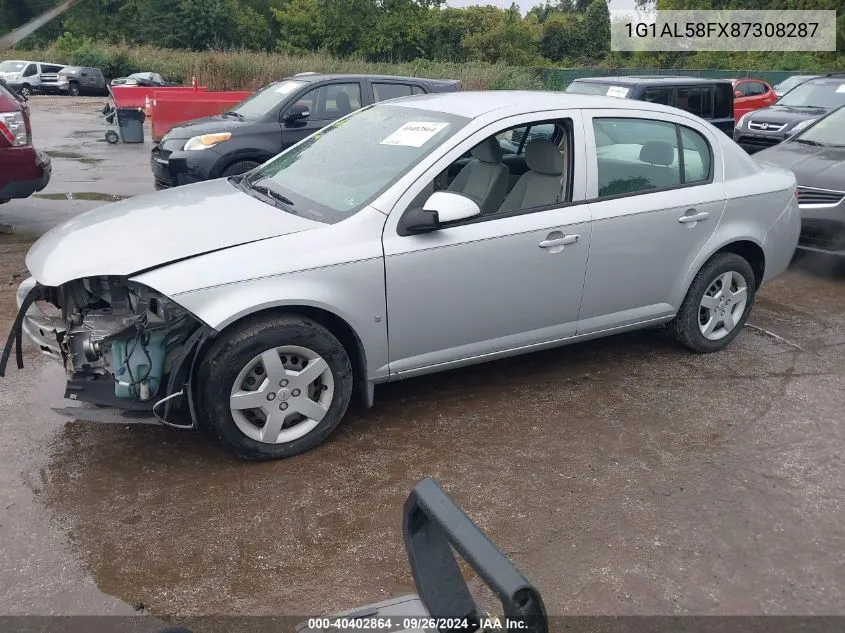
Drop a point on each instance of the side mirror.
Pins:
(440, 208)
(737, 93)
(297, 113)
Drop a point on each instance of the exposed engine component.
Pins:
(123, 332)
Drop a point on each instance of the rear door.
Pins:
(653, 209)
(326, 102)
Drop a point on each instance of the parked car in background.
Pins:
(361, 255)
(23, 169)
(29, 77)
(143, 79)
(795, 111)
(274, 118)
(80, 80)
(750, 95)
(816, 156)
(710, 99)
(793, 81)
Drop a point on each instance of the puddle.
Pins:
(82, 195)
(74, 156)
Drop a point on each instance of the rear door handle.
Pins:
(559, 241)
(692, 216)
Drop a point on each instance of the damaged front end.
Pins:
(121, 343)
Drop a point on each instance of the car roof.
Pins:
(661, 80)
(471, 104)
(315, 77)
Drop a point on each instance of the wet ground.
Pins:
(624, 476)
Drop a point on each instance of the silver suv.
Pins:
(28, 77)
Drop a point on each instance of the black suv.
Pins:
(796, 110)
(710, 99)
(274, 118)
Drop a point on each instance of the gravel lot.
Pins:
(624, 476)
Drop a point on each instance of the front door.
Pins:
(326, 103)
(502, 282)
(652, 214)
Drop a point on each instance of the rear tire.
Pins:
(301, 377)
(239, 167)
(711, 316)
(112, 137)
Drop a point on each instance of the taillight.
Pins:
(13, 128)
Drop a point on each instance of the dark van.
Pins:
(271, 120)
(710, 99)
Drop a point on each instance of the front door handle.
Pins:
(692, 216)
(554, 242)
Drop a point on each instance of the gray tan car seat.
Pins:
(485, 178)
(543, 183)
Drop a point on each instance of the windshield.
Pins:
(590, 88)
(788, 84)
(829, 131)
(12, 67)
(336, 171)
(263, 101)
(822, 94)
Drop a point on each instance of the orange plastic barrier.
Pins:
(172, 108)
(136, 96)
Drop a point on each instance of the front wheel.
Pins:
(274, 387)
(112, 137)
(239, 167)
(73, 90)
(25, 91)
(717, 304)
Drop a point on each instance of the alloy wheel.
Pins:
(722, 305)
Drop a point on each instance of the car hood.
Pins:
(820, 167)
(786, 114)
(206, 125)
(155, 229)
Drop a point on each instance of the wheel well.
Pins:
(238, 159)
(751, 253)
(334, 324)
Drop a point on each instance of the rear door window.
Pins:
(385, 91)
(723, 101)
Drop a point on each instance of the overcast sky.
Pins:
(525, 5)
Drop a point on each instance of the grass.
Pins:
(248, 70)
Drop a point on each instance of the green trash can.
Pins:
(131, 122)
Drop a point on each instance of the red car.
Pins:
(750, 95)
(23, 170)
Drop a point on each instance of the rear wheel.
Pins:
(112, 137)
(274, 387)
(717, 304)
(239, 167)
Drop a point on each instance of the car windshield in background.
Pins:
(830, 131)
(819, 94)
(589, 88)
(263, 101)
(336, 171)
(11, 67)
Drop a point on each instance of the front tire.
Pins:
(73, 90)
(25, 91)
(717, 304)
(274, 387)
(239, 167)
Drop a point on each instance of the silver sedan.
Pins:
(400, 241)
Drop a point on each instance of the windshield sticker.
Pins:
(841, 88)
(414, 133)
(287, 87)
(617, 91)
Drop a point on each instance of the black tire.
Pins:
(231, 353)
(25, 90)
(112, 137)
(685, 326)
(73, 90)
(239, 167)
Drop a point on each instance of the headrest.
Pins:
(658, 153)
(544, 157)
(488, 151)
